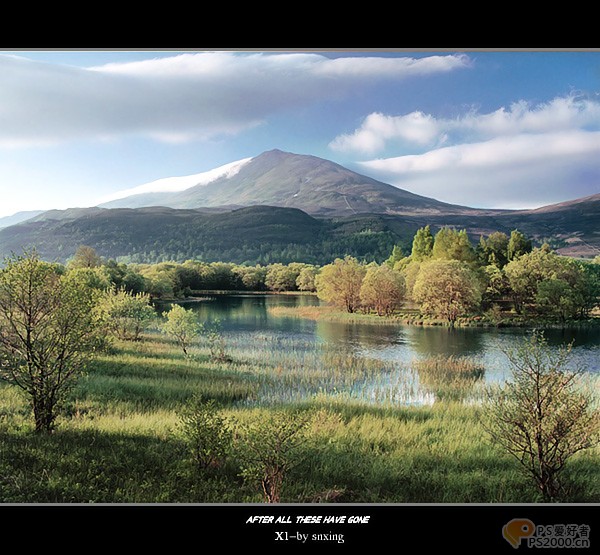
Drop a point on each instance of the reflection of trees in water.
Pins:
(449, 378)
(431, 341)
(357, 334)
(248, 311)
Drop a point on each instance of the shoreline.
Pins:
(330, 314)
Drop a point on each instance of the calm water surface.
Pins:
(247, 322)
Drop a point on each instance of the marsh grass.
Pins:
(450, 377)
(118, 441)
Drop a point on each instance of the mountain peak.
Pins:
(278, 178)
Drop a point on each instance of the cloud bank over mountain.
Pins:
(504, 158)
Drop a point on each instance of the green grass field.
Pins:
(119, 439)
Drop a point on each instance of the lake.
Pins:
(307, 353)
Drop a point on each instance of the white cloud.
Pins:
(182, 97)
(374, 67)
(181, 183)
(416, 128)
(511, 171)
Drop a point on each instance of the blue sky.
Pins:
(478, 128)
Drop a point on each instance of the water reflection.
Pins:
(357, 335)
(308, 356)
(432, 341)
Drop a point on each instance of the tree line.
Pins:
(173, 280)
(445, 277)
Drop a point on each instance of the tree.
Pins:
(48, 333)
(281, 277)
(382, 289)
(555, 297)
(545, 282)
(306, 278)
(395, 257)
(588, 288)
(158, 280)
(450, 244)
(126, 314)
(182, 325)
(542, 417)
(422, 246)
(94, 278)
(447, 289)
(216, 341)
(85, 257)
(410, 272)
(339, 283)
(518, 245)
(252, 277)
(494, 249)
(496, 285)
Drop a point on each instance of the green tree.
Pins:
(496, 285)
(395, 257)
(410, 272)
(158, 281)
(94, 278)
(555, 297)
(382, 289)
(542, 416)
(126, 314)
(206, 432)
(339, 283)
(48, 333)
(447, 289)
(216, 341)
(252, 277)
(422, 246)
(85, 257)
(270, 447)
(181, 325)
(494, 249)
(281, 277)
(562, 281)
(306, 278)
(588, 288)
(450, 244)
(518, 245)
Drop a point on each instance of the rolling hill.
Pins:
(18, 218)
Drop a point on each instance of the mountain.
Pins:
(281, 207)
(18, 218)
(573, 225)
(157, 193)
(314, 185)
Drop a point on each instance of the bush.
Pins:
(206, 432)
(542, 417)
(272, 446)
(182, 326)
(126, 314)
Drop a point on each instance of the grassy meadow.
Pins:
(120, 438)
